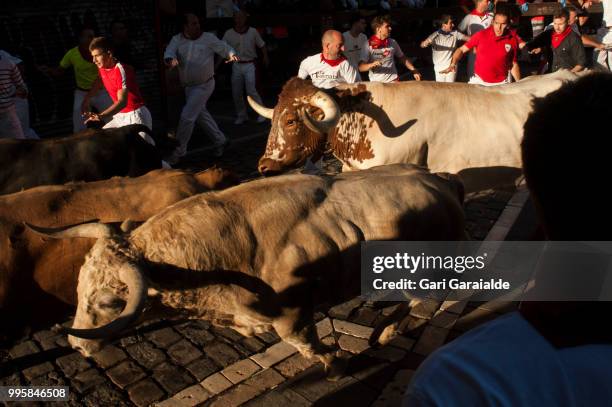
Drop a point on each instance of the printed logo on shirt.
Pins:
(508, 47)
(323, 75)
(381, 53)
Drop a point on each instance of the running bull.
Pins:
(470, 130)
(38, 277)
(259, 256)
(90, 155)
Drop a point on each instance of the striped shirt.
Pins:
(10, 79)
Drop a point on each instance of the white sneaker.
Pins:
(240, 120)
(261, 119)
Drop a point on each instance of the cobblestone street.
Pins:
(186, 363)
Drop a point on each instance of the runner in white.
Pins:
(193, 52)
(479, 19)
(355, 40)
(603, 58)
(443, 43)
(245, 40)
(329, 68)
(379, 56)
(22, 106)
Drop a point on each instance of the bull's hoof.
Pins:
(336, 370)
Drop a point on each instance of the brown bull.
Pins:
(38, 276)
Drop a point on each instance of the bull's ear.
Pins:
(128, 225)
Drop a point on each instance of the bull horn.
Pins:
(261, 110)
(133, 277)
(331, 112)
(93, 230)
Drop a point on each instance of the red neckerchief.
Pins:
(333, 62)
(377, 43)
(557, 39)
(478, 13)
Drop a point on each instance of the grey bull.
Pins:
(259, 256)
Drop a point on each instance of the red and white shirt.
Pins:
(495, 56)
(386, 72)
(328, 74)
(122, 77)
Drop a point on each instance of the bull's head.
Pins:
(111, 292)
(300, 122)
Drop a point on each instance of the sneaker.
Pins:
(240, 120)
(261, 119)
(173, 158)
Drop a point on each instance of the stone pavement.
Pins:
(186, 363)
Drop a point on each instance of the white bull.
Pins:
(471, 130)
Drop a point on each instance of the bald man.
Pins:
(329, 68)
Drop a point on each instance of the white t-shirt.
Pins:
(353, 47)
(245, 44)
(443, 45)
(326, 76)
(607, 13)
(473, 23)
(387, 71)
(506, 362)
(196, 57)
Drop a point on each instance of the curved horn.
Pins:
(261, 110)
(133, 277)
(331, 112)
(93, 230)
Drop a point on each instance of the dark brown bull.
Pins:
(38, 277)
(91, 155)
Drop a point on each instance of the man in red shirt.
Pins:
(497, 53)
(120, 82)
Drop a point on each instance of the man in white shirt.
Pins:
(22, 106)
(479, 19)
(11, 86)
(603, 58)
(379, 55)
(329, 68)
(245, 40)
(443, 44)
(355, 40)
(193, 52)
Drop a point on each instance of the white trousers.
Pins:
(10, 127)
(22, 107)
(100, 101)
(476, 80)
(243, 75)
(138, 116)
(195, 110)
(603, 59)
(444, 77)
